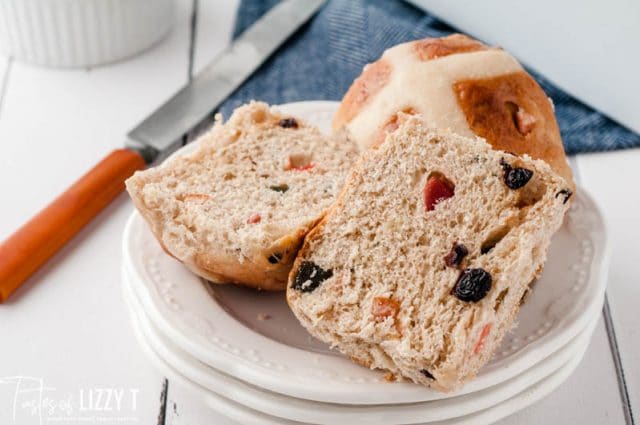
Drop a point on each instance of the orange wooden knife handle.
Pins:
(42, 236)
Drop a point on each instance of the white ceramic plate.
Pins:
(245, 415)
(171, 360)
(221, 325)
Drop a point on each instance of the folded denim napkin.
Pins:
(322, 59)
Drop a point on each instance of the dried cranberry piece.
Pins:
(310, 276)
(438, 188)
(472, 285)
(515, 178)
(456, 255)
(566, 193)
(288, 123)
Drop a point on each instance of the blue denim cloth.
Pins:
(322, 59)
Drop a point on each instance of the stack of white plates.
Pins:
(245, 355)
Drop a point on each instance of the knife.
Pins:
(40, 238)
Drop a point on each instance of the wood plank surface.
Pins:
(68, 328)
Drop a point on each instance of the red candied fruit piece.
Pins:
(254, 218)
(304, 167)
(483, 336)
(384, 307)
(438, 188)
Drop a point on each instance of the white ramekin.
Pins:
(77, 33)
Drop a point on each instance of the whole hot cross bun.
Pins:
(458, 83)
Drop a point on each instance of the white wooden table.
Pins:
(67, 329)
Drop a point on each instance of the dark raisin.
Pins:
(427, 374)
(456, 255)
(515, 178)
(566, 193)
(282, 188)
(288, 123)
(275, 258)
(310, 276)
(472, 285)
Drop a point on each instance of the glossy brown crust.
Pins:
(374, 77)
(513, 114)
(433, 48)
(222, 269)
(255, 272)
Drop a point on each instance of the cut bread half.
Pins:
(237, 209)
(420, 266)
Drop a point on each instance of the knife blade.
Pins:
(32, 245)
(189, 106)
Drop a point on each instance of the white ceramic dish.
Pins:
(221, 326)
(245, 415)
(171, 360)
(75, 33)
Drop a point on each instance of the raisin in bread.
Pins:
(458, 83)
(237, 209)
(420, 265)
